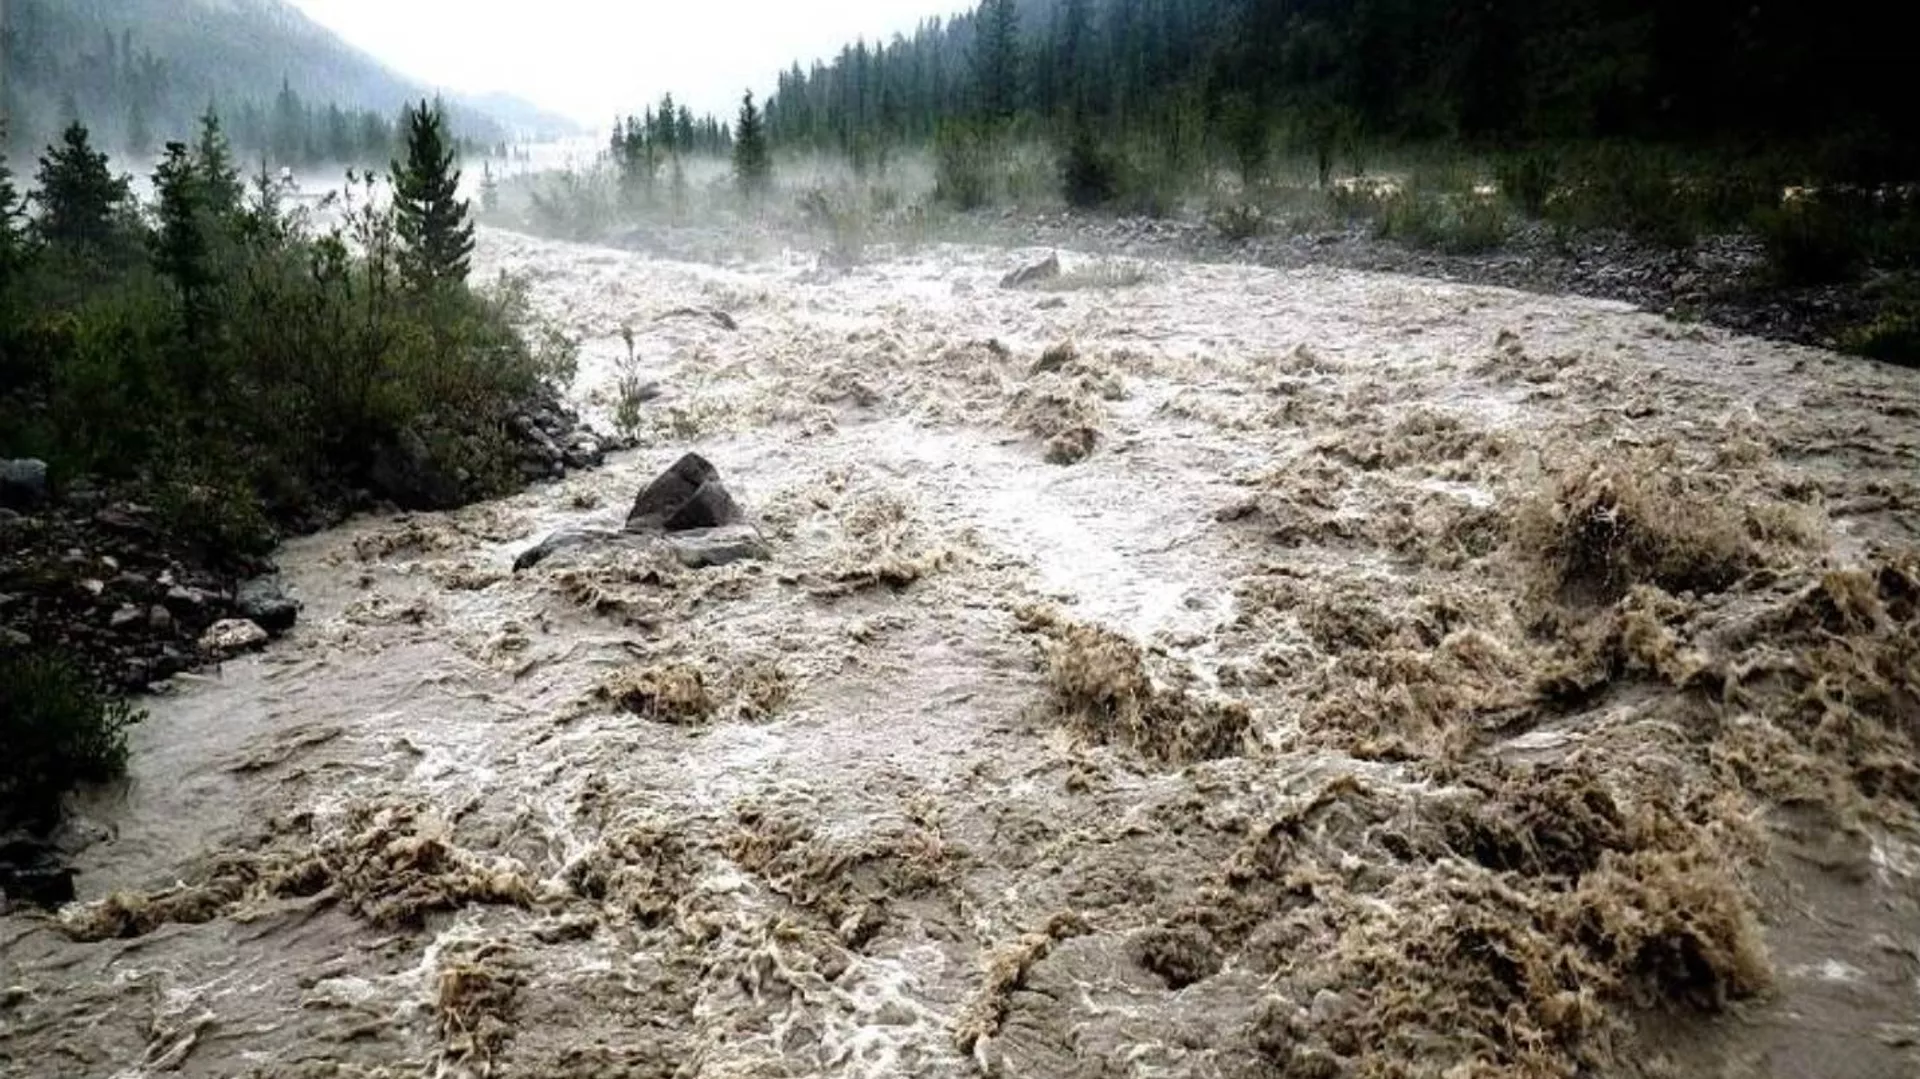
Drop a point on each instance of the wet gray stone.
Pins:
(722, 546)
(1045, 270)
(264, 602)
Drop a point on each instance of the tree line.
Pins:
(1244, 77)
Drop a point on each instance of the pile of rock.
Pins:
(553, 440)
(101, 582)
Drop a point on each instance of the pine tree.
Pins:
(213, 164)
(752, 163)
(489, 188)
(289, 126)
(436, 236)
(79, 196)
(662, 125)
(683, 131)
(180, 246)
(13, 218)
(996, 59)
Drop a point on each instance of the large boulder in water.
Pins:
(686, 507)
(685, 497)
(1026, 276)
(265, 603)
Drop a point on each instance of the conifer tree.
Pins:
(13, 218)
(79, 196)
(213, 164)
(683, 131)
(181, 250)
(996, 59)
(489, 188)
(661, 130)
(289, 126)
(436, 236)
(752, 163)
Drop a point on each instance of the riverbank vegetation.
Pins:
(236, 368)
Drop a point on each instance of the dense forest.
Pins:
(1248, 76)
(140, 72)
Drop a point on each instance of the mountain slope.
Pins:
(127, 65)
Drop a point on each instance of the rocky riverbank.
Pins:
(100, 576)
(1721, 281)
(107, 581)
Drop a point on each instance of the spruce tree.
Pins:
(180, 246)
(214, 165)
(79, 196)
(13, 218)
(436, 236)
(663, 125)
(489, 188)
(996, 59)
(683, 131)
(752, 163)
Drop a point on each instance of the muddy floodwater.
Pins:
(1304, 673)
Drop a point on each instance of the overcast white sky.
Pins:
(591, 58)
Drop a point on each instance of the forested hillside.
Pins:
(1244, 73)
(139, 72)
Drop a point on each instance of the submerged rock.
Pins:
(567, 539)
(718, 546)
(1045, 270)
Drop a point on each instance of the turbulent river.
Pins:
(1239, 747)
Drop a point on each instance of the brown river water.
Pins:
(875, 807)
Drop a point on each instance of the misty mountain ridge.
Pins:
(95, 57)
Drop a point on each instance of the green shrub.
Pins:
(1893, 337)
(844, 226)
(1088, 176)
(1814, 240)
(1628, 188)
(1480, 224)
(1460, 224)
(1411, 217)
(962, 166)
(1528, 179)
(266, 383)
(59, 732)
